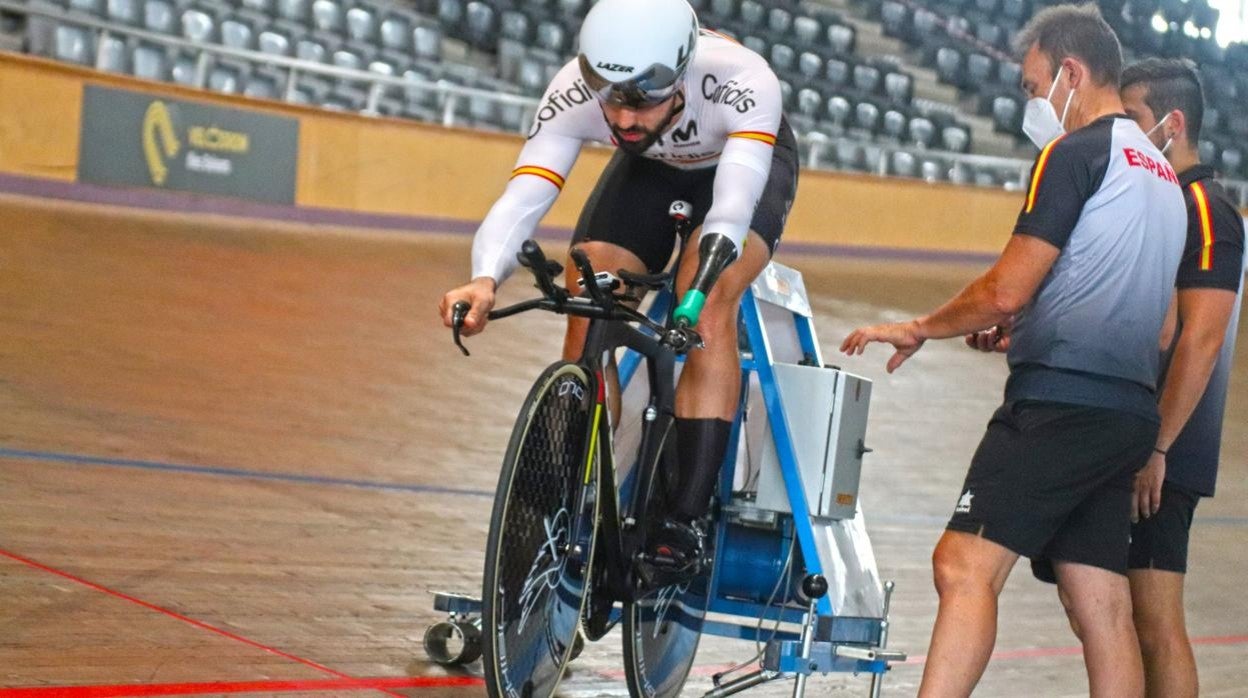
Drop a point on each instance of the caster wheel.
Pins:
(452, 644)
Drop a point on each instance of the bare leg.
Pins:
(1169, 666)
(603, 256)
(970, 572)
(711, 381)
(1100, 604)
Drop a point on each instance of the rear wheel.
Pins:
(541, 543)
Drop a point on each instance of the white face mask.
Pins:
(1149, 135)
(1040, 120)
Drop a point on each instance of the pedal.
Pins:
(869, 654)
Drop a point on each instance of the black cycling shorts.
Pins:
(629, 205)
(1053, 481)
(1160, 541)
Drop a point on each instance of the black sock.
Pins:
(701, 445)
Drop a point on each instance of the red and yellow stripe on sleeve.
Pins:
(1206, 226)
(1041, 163)
(549, 175)
(768, 138)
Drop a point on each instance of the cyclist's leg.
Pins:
(706, 399)
(710, 385)
(604, 256)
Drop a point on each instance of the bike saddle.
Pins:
(653, 282)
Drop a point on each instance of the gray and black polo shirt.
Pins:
(1212, 258)
(1107, 199)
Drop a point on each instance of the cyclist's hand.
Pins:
(479, 293)
(904, 336)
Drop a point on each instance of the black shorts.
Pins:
(1053, 481)
(1160, 541)
(629, 205)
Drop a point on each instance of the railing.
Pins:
(815, 145)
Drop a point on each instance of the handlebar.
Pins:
(597, 303)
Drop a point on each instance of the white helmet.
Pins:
(635, 52)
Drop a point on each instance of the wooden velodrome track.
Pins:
(236, 457)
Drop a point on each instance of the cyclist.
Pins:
(694, 116)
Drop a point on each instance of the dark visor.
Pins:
(653, 85)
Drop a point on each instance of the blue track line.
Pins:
(237, 472)
(75, 459)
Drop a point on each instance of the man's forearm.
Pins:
(976, 307)
(1190, 367)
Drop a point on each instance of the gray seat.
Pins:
(867, 116)
(980, 69)
(112, 55)
(260, 87)
(1009, 73)
(148, 61)
(867, 78)
(238, 34)
(1232, 161)
(94, 8)
(396, 33)
(226, 77)
(450, 13)
(552, 36)
(1006, 114)
(903, 164)
(273, 42)
(427, 42)
(985, 177)
(895, 17)
(361, 25)
(931, 171)
(327, 16)
(786, 94)
(418, 94)
(264, 7)
(839, 111)
(949, 65)
(926, 22)
(198, 26)
(899, 87)
(779, 20)
(531, 76)
(309, 49)
(753, 14)
(158, 17)
(296, 10)
(515, 25)
(842, 39)
(782, 57)
(806, 31)
(960, 174)
(123, 12)
(73, 45)
(838, 72)
(850, 155)
(922, 131)
(1208, 151)
(183, 70)
(724, 9)
(479, 24)
(345, 58)
(894, 124)
(574, 8)
(810, 65)
(757, 44)
(382, 68)
(510, 53)
(809, 102)
(955, 138)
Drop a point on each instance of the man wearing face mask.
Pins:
(1165, 98)
(1085, 280)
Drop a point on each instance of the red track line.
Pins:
(173, 614)
(189, 689)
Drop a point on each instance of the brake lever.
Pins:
(459, 312)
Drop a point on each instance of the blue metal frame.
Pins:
(785, 649)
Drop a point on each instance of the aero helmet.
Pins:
(634, 52)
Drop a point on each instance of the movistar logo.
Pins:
(616, 67)
(160, 141)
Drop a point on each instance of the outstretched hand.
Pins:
(904, 336)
